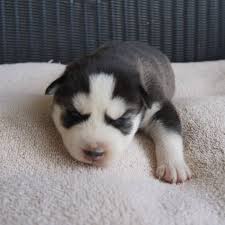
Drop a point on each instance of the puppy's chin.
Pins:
(97, 163)
(101, 163)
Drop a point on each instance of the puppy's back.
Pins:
(153, 66)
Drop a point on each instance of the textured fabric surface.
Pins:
(41, 184)
(185, 30)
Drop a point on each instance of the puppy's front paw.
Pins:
(173, 172)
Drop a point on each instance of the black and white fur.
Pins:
(103, 99)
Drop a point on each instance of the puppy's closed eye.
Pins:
(73, 117)
(123, 123)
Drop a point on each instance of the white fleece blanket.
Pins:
(41, 184)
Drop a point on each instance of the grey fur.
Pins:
(153, 67)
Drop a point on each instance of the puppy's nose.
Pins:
(94, 154)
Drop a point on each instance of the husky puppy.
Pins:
(103, 99)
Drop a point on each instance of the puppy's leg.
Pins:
(165, 129)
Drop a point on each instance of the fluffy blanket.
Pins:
(41, 184)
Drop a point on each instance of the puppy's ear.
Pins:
(72, 68)
(144, 96)
(52, 88)
(142, 86)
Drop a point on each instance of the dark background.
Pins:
(62, 30)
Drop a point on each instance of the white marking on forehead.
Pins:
(99, 100)
(101, 88)
(116, 108)
(81, 102)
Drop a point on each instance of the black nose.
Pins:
(96, 153)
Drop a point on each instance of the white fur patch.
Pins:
(81, 102)
(169, 144)
(171, 165)
(117, 108)
(101, 89)
(100, 98)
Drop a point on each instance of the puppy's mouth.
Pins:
(95, 157)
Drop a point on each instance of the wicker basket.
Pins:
(41, 30)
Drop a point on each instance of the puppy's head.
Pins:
(96, 113)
